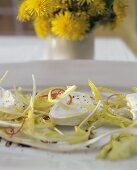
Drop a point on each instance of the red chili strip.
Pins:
(108, 98)
(56, 92)
(11, 130)
(70, 101)
(45, 95)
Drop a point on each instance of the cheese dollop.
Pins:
(72, 114)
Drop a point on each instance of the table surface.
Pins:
(28, 48)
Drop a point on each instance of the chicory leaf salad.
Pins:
(41, 118)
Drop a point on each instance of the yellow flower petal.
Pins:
(22, 12)
(119, 8)
(97, 7)
(69, 26)
(42, 27)
(41, 7)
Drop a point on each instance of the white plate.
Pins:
(120, 75)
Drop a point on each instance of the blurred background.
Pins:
(10, 27)
(8, 23)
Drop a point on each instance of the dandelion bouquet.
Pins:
(71, 19)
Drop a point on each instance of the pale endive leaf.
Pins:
(120, 147)
(95, 91)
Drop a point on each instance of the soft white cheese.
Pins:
(64, 114)
(132, 103)
(8, 102)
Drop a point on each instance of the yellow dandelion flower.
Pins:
(67, 1)
(82, 14)
(69, 26)
(41, 7)
(81, 2)
(22, 12)
(42, 27)
(119, 8)
(97, 7)
(61, 5)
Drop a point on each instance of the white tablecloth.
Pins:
(21, 49)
